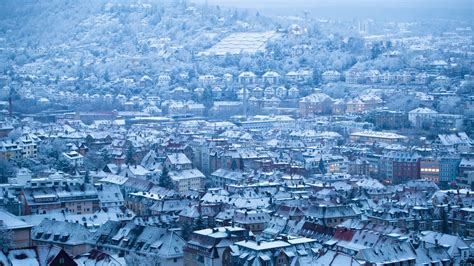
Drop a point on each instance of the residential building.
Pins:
(72, 237)
(207, 246)
(20, 231)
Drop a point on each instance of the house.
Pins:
(164, 80)
(97, 257)
(387, 252)
(222, 177)
(352, 76)
(372, 76)
(454, 245)
(315, 104)
(247, 78)
(207, 80)
(253, 220)
(136, 171)
(163, 246)
(39, 255)
(20, 230)
(75, 198)
(28, 146)
(177, 162)
(363, 103)
(187, 179)
(110, 196)
(24, 147)
(271, 78)
(299, 76)
(208, 245)
(332, 215)
(388, 119)
(455, 142)
(420, 116)
(10, 150)
(73, 158)
(72, 237)
(282, 251)
(331, 76)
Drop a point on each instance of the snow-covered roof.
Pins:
(178, 158)
(12, 222)
(422, 110)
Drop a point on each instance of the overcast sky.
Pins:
(332, 3)
(388, 9)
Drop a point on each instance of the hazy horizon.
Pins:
(401, 9)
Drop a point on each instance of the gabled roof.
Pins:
(178, 158)
(422, 110)
(60, 232)
(11, 222)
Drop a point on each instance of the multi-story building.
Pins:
(271, 78)
(387, 119)
(406, 166)
(283, 251)
(461, 222)
(314, 104)
(10, 150)
(430, 169)
(369, 137)
(331, 76)
(74, 198)
(24, 147)
(160, 245)
(363, 103)
(448, 169)
(398, 166)
(177, 162)
(333, 215)
(207, 246)
(247, 78)
(28, 146)
(186, 180)
(420, 117)
(73, 158)
(447, 122)
(222, 177)
(72, 237)
(253, 220)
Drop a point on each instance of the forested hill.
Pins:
(105, 36)
(85, 21)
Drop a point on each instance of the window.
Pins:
(61, 260)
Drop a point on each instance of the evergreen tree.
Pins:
(130, 160)
(322, 166)
(165, 179)
(233, 165)
(6, 238)
(87, 178)
(6, 170)
(444, 221)
(198, 223)
(186, 231)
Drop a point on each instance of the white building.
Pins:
(420, 115)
